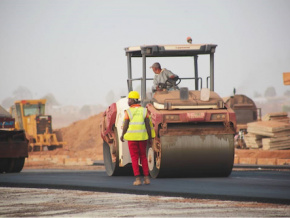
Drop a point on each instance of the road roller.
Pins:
(194, 128)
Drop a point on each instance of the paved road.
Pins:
(261, 186)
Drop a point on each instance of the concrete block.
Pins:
(237, 160)
(45, 157)
(71, 161)
(62, 156)
(90, 161)
(283, 161)
(58, 160)
(246, 160)
(267, 161)
(34, 157)
(85, 161)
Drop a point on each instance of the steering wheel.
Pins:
(177, 80)
(169, 83)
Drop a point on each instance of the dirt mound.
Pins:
(83, 139)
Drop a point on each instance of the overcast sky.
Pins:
(74, 49)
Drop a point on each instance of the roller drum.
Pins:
(195, 155)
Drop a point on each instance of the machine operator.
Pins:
(161, 76)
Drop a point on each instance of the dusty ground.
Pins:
(84, 145)
(22, 202)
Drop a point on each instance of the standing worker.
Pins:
(137, 131)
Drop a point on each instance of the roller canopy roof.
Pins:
(170, 50)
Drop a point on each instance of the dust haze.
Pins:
(74, 50)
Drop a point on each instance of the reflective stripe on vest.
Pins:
(152, 128)
(137, 129)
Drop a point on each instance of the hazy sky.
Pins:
(74, 49)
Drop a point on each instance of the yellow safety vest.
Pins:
(137, 129)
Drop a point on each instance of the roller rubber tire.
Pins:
(113, 168)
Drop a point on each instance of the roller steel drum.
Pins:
(193, 155)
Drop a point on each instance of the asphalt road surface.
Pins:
(259, 186)
(41, 202)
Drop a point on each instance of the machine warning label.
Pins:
(7, 123)
(196, 116)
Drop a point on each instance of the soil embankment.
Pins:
(85, 145)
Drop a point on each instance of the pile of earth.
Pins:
(84, 141)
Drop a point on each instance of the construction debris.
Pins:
(272, 133)
(279, 116)
(276, 143)
(253, 140)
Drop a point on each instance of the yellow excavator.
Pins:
(30, 116)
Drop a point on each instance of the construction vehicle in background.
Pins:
(246, 112)
(194, 128)
(245, 109)
(30, 116)
(13, 144)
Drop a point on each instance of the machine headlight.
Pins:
(218, 117)
(171, 117)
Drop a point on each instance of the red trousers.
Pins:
(138, 150)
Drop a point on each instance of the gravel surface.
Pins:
(24, 202)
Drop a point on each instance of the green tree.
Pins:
(7, 102)
(22, 93)
(110, 97)
(51, 100)
(85, 111)
(270, 92)
(286, 108)
(257, 94)
(287, 93)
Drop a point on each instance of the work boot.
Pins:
(137, 181)
(146, 180)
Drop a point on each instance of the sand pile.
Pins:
(83, 140)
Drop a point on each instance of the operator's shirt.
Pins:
(161, 78)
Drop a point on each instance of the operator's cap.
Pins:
(156, 65)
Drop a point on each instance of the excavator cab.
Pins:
(194, 129)
(24, 109)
